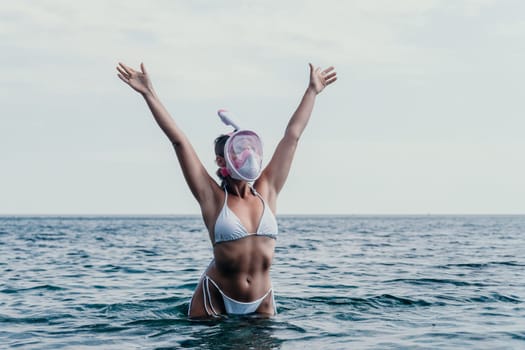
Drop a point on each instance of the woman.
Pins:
(239, 216)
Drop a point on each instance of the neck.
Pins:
(238, 187)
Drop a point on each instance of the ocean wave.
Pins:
(48, 287)
(486, 264)
(403, 284)
(34, 319)
(374, 302)
(495, 298)
(431, 281)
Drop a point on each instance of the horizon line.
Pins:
(3, 215)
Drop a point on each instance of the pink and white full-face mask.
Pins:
(243, 152)
(243, 155)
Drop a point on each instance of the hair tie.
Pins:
(224, 172)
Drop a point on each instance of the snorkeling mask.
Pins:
(242, 152)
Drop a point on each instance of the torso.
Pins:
(241, 266)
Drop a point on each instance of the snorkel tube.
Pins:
(225, 116)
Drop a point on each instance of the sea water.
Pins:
(341, 282)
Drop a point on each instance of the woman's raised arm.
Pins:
(196, 176)
(276, 172)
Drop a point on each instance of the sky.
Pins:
(427, 115)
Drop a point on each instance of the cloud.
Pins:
(207, 48)
(411, 72)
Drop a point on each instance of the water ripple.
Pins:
(442, 282)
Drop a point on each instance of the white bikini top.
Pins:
(228, 227)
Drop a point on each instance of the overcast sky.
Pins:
(427, 116)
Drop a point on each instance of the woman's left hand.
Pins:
(319, 79)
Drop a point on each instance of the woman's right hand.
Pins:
(319, 79)
(139, 81)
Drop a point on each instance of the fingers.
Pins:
(323, 73)
(330, 76)
(330, 81)
(123, 79)
(123, 72)
(328, 70)
(126, 69)
(143, 68)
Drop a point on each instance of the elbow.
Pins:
(176, 140)
(292, 134)
(178, 145)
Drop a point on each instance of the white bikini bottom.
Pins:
(232, 306)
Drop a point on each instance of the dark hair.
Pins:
(220, 142)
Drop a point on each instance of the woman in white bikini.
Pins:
(238, 213)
